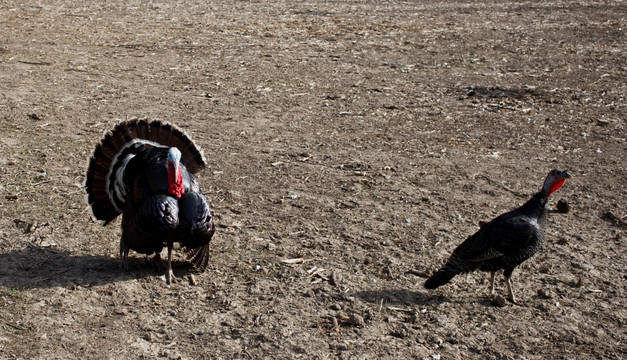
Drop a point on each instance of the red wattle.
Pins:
(175, 181)
(556, 186)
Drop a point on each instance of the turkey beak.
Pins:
(565, 174)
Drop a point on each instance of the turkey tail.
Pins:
(199, 257)
(104, 182)
(441, 277)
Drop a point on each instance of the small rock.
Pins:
(498, 300)
(563, 206)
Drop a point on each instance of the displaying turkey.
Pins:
(144, 170)
(503, 243)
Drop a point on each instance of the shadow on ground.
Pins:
(400, 297)
(46, 267)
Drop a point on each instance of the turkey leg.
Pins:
(492, 274)
(169, 276)
(510, 296)
(124, 254)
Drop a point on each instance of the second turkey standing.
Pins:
(503, 243)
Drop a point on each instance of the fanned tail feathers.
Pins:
(104, 182)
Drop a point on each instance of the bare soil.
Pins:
(367, 138)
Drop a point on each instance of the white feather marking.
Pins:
(119, 188)
(534, 222)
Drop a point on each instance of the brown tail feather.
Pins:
(105, 157)
(199, 257)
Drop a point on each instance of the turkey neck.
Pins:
(536, 206)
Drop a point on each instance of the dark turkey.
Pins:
(503, 243)
(144, 170)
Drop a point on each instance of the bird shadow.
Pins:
(500, 93)
(400, 297)
(403, 297)
(37, 267)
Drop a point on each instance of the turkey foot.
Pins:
(169, 277)
(510, 292)
(516, 301)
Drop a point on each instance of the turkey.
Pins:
(144, 170)
(503, 243)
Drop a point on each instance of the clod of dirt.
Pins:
(422, 274)
(26, 227)
(336, 278)
(498, 300)
(401, 332)
(545, 294)
(34, 117)
(353, 320)
(563, 206)
(336, 307)
(435, 339)
(615, 220)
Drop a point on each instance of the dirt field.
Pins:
(366, 138)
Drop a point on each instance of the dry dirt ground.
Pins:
(366, 138)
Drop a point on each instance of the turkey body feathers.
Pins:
(128, 174)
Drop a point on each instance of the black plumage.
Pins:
(144, 170)
(503, 243)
